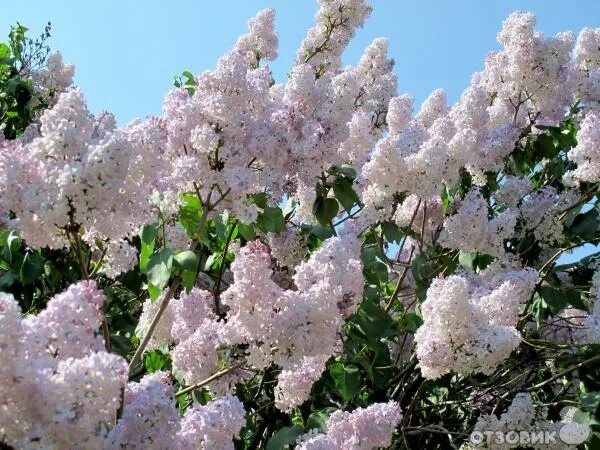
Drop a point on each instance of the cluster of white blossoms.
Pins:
(59, 388)
(471, 229)
(587, 67)
(513, 190)
(420, 214)
(542, 211)
(469, 321)
(287, 248)
(531, 75)
(151, 420)
(586, 154)
(298, 329)
(53, 79)
(362, 429)
(523, 415)
(244, 133)
(532, 78)
(423, 154)
(80, 172)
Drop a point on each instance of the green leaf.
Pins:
(285, 438)
(186, 260)
(187, 264)
(7, 279)
(189, 279)
(343, 170)
(325, 209)
(418, 268)
(159, 268)
(589, 401)
(221, 225)
(260, 200)
(346, 378)
(155, 361)
(466, 259)
(585, 225)
(246, 231)
(147, 238)
(411, 322)
(31, 268)
(190, 214)
(154, 292)
(318, 230)
(342, 188)
(376, 272)
(271, 220)
(318, 419)
(446, 199)
(11, 243)
(210, 262)
(392, 233)
(4, 50)
(373, 321)
(148, 234)
(554, 299)
(544, 147)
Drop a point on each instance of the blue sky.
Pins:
(126, 52)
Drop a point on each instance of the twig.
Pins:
(565, 372)
(401, 279)
(163, 306)
(213, 377)
(168, 296)
(222, 269)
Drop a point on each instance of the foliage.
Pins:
(19, 102)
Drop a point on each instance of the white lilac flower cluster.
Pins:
(586, 154)
(422, 154)
(151, 420)
(244, 133)
(469, 321)
(53, 79)
(523, 415)
(531, 75)
(287, 248)
(81, 172)
(470, 229)
(427, 215)
(532, 78)
(299, 329)
(587, 67)
(59, 388)
(542, 210)
(362, 429)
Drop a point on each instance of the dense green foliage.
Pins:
(19, 102)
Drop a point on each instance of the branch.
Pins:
(213, 377)
(565, 372)
(163, 306)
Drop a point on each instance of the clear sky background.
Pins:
(126, 52)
